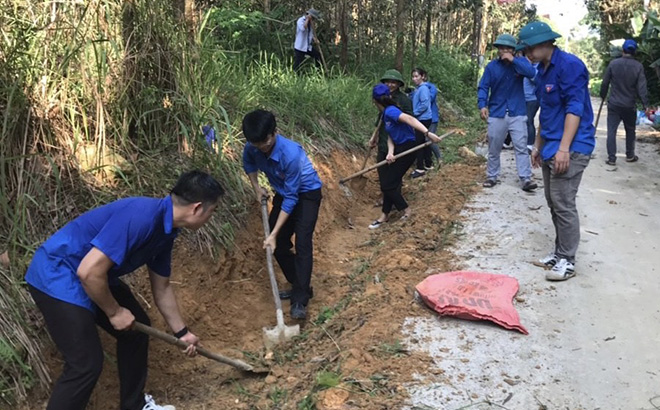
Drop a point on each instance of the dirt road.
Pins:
(594, 340)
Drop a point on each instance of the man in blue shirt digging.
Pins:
(74, 280)
(565, 141)
(505, 110)
(295, 205)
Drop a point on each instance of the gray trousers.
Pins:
(497, 130)
(560, 192)
(614, 117)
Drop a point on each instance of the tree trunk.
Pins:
(267, 13)
(400, 19)
(413, 35)
(343, 53)
(427, 39)
(358, 26)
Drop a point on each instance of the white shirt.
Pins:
(304, 36)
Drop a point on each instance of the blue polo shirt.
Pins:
(288, 169)
(131, 232)
(563, 88)
(398, 131)
(505, 83)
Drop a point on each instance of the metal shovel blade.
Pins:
(276, 335)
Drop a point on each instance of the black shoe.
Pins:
(286, 294)
(529, 186)
(611, 162)
(298, 311)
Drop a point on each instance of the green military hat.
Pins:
(505, 40)
(392, 74)
(536, 32)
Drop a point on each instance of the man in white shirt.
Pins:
(305, 36)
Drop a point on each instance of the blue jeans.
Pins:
(532, 109)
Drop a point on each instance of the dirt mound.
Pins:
(349, 353)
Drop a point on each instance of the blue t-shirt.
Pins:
(288, 169)
(131, 232)
(399, 131)
(563, 88)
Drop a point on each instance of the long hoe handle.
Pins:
(397, 156)
(269, 260)
(203, 352)
(598, 116)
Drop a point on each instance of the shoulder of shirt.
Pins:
(570, 61)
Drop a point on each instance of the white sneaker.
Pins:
(150, 404)
(548, 261)
(562, 270)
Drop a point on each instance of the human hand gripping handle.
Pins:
(192, 341)
(122, 319)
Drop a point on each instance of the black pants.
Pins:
(391, 177)
(615, 115)
(73, 329)
(423, 155)
(299, 56)
(297, 268)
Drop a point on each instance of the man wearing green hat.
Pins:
(565, 139)
(394, 81)
(305, 35)
(502, 103)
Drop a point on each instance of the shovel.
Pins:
(359, 183)
(239, 364)
(397, 156)
(280, 333)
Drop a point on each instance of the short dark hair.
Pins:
(420, 71)
(386, 101)
(197, 186)
(258, 125)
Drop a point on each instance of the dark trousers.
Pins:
(73, 329)
(532, 109)
(299, 56)
(423, 155)
(615, 115)
(391, 177)
(297, 268)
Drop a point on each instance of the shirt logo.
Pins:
(549, 87)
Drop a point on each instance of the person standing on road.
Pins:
(626, 77)
(295, 206)
(401, 129)
(532, 104)
(74, 280)
(305, 36)
(565, 141)
(422, 102)
(502, 104)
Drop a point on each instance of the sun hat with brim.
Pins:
(314, 13)
(629, 46)
(379, 91)
(536, 32)
(394, 75)
(505, 40)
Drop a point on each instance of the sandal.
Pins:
(634, 158)
(489, 183)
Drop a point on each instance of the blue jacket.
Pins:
(433, 91)
(530, 86)
(505, 83)
(563, 88)
(421, 99)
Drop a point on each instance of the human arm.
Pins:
(259, 191)
(93, 275)
(482, 93)
(642, 91)
(390, 150)
(522, 66)
(166, 303)
(604, 86)
(537, 161)
(292, 167)
(416, 125)
(573, 82)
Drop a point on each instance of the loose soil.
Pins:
(349, 353)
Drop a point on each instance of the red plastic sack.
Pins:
(473, 296)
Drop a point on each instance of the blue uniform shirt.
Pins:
(563, 88)
(435, 114)
(530, 86)
(398, 131)
(421, 99)
(505, 83)
(288, 169)
(131, 232)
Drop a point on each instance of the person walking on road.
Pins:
(295, 206)
(401, 129)
(74, 279)
(625, 78)
(565, 142)
(502, 104)
(305, 37)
